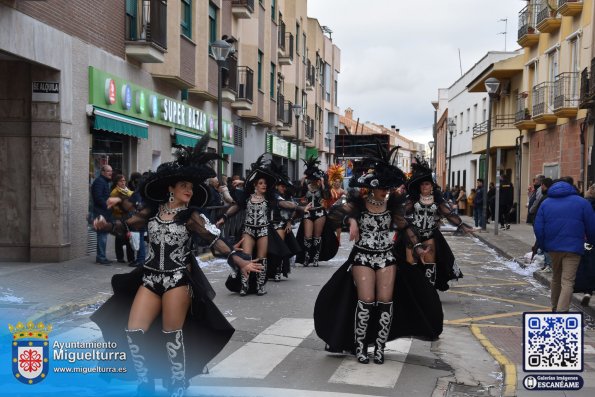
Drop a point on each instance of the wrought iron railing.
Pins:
(498, 122)
(230, 74)
(522, 109)
(280, 107)
(309, 128)
(544, 11)
(542, 98)
(281, 35)
(566, 90)
(310, 74)
(245, 84)
(528, 19)
(585, 86)
(288, 48)
(148, 22)
(288, 114)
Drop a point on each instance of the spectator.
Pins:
(119, 213)
(462, 202)
(491, 202)
(470, 201)
(561, 224)
(100, 192)
(534, 197)
(478, 204)
(506, 200)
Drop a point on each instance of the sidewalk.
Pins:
(513, 244)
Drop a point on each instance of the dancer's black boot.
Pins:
(385, 319)
(307, 249)
(136, 338)
(261, 279)
(362, 317)
(316, 243)
(174, 344)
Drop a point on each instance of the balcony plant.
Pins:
(527, 114)
(530, 30)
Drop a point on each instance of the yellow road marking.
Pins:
(509, 369)
(488, 285)
(481, 318)
(481, 325)
(499, 299)
(493, 278)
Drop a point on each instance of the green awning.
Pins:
(114, 122)
(189, 139)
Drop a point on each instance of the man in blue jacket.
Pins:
(564, 222)
(100, 191)
(478, 204)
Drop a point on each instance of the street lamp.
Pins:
(451, 129)
(298, 110)
(492, 84)
(220, 50)
(431, 146)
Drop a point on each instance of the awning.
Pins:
(189, 139)
(114, 122)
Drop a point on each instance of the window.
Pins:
(483, 110)
(212, 23)
(186, 18)
(131, 20)
(336, 92)
(273, 9)
(304, 49)
(297, 38)
(461, 128)
(327, 81)
(272, 83)
(468, 118)
(259, 71)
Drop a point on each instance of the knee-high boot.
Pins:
(316, 248)
(307, 249)
(261, 279)
(174, 344)
(135, 339)
(385, 319)
(362, 317)
(277, 263)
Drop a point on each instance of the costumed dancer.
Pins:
(258, 206)
(178, 344)
(285, 212)
(348, 317)
(424, 209)
(335, 176)
(314, 192)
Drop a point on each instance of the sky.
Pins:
(395, 54)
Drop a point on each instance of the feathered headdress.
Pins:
(421, 173)
(280, 171)
(190, 165)
(312, 172)
(382, 172)
(262, 168)
(335, 172)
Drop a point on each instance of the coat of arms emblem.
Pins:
(30, 351)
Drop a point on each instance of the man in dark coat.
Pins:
(478, 204)
(563, 221)
(505, 202)
(100, 191)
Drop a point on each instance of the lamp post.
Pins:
(492, 84)
(451, 129)
(431, 146)
(220, 50)
(298, 110)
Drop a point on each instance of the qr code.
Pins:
(553, 342)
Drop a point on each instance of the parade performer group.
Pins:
(164, 310)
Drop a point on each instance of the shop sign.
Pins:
(159, 110)
(277, 146)
(45, 91)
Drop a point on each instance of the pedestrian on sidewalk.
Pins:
(505, 203)
(545, 185)
(100, 192)
(356, 306)
(585, 275)
(535, 194)
(470, 203)
(170, 282)
(118, 213)
(561, 225)
(478, 204)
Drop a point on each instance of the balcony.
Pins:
(587, 92)
(527, 36)
(280, 110)
(146, 30)
(503, 133)
(522, 117)
(287, 57)
(570, 8)
(566, 94)
(229, 80)
(547, 21)
(281, 38)
(245, 93)
(310, 76)
(309, 132)
(543, 101)
(288, 121)
(242, 9)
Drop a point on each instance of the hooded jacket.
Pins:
(564, 221)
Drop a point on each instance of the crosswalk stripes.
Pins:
(271, 347)
(259, 357)
(353, 373)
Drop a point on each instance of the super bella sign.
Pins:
(117, 95)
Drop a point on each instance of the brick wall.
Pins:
(100, 23)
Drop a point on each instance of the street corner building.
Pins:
(85, 84)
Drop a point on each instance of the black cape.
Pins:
(417, 310)
(206, 330)
(329, 243)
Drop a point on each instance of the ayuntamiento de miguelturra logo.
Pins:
(30, 351)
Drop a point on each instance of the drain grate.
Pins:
(460, 390)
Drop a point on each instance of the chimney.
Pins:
(349, 113)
